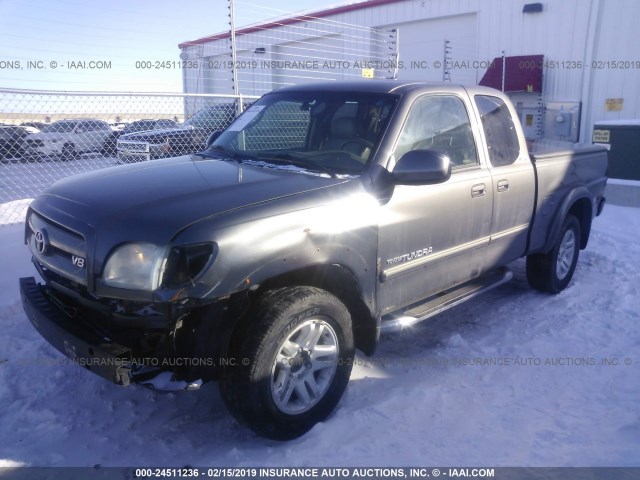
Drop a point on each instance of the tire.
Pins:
(297, 341)
(68, 151)
(551, 272)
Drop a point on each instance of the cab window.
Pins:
(499, 130)
(439, 123)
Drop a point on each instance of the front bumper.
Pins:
(73, 339)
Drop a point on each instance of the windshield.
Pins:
(60, 127)
(140, 126)
(214, 118)
(330, 132)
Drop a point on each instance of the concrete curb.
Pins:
(625, 193)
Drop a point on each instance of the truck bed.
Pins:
(564, 171)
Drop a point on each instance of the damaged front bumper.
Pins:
(73, 339)
(87, 348)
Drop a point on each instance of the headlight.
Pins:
(135, 266)
(186, 263)
(144, 266)
(164, 147)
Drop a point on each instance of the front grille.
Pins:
(57, 248)
(128, 146)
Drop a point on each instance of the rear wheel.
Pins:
(292, 362)
(552, 271)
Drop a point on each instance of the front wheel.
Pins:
(292, 362)
(551, 272)
(68, 151)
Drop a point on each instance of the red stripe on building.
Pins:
(290, 20)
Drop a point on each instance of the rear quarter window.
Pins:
(499, 130)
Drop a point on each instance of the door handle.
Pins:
(503, 185)
(478, 190)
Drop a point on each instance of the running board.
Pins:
(444, 301)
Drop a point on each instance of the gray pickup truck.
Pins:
(321, 217)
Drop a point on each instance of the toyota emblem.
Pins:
(41, 241)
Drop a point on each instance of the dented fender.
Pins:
(334, 226)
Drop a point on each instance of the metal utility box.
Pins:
(562, 120)
(623, 137)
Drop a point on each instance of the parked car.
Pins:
(323, 216)
(68, 138)
(111, 143)
(37, 125)
(11, 142)
(190, 137)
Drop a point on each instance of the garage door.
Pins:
(421, 46)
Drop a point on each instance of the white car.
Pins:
(68, 138)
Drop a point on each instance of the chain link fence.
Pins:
(49, 135)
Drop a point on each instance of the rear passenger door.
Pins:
(98, 131)
(86, 136)
(432, 237)
(512, 179)
(81, 137)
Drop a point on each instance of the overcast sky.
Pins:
(98, 46)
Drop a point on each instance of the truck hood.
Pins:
(153, 201)
(151, 135)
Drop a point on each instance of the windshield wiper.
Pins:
(226, 153)
(288, 159)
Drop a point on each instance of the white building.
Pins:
(580, 65)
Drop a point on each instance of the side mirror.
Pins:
(422, 167)
(213, 137)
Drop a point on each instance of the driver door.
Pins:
(432, 237)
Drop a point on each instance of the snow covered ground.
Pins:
(447, 392)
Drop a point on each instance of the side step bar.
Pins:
(444, 300)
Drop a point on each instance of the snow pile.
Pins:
(511, 378)
(14, 211)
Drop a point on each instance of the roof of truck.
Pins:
(384, 86)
